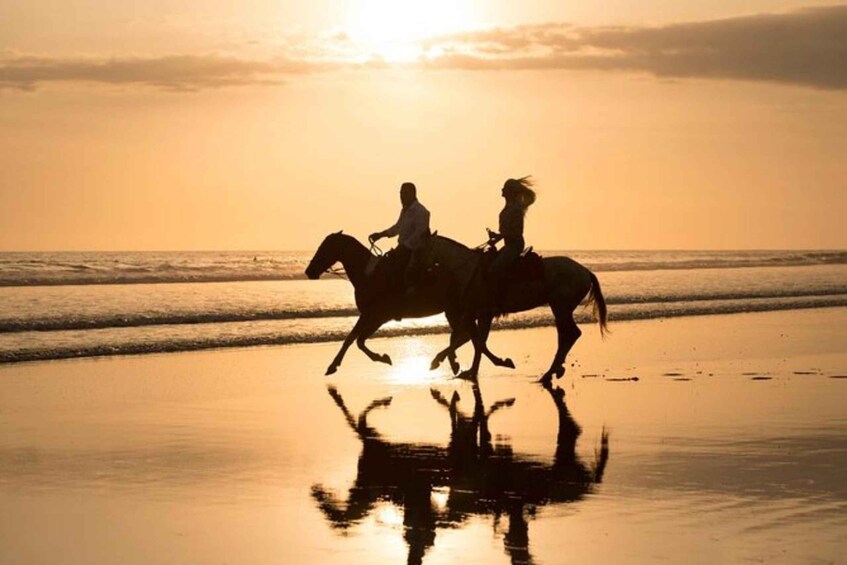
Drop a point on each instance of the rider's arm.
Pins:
(511, 223)
(390, 232)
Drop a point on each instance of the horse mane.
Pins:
(452, 241)
(349, 238)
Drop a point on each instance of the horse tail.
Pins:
(596, 296)
(601, 457)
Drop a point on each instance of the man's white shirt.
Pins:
(412, 226)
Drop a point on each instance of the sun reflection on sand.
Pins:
(413, 363)
(439, 497)
(389, 515)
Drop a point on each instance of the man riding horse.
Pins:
(403, 264)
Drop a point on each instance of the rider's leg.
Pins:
(498, 271)
(411, 275)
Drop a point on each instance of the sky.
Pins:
(258, 124)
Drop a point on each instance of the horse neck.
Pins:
(354, 256)
(448, 255)
(460, 260)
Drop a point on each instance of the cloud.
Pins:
(178, 72)
(806, 47)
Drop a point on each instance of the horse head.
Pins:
(328, 253)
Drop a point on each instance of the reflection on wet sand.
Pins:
(442, 486)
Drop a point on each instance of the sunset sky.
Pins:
(259, 124)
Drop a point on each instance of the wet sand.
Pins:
(725, 441)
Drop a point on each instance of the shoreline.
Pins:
(535, 319)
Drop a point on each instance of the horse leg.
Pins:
(478, 345)
(348, 341)
(365, 332)
(568, 333)
(484, 323)
(458, 337)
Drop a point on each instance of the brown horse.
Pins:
(564, 286)
(430, 299)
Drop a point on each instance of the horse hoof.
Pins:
(434, 365)
(467, 375)
(546, 379)
(455, 367)
(385, 359)
(330, 370)
(509, 363)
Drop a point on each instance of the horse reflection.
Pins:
(476, 477)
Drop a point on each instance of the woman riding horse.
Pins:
(519, 197)
(565, 285)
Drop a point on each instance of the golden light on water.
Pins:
(389, 515)
(413, 369)
(439, 498)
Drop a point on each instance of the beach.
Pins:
(709, 439)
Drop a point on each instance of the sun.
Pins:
(393, 30)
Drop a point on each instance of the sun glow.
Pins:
(413, 365)
(389, 515)
(393, 30)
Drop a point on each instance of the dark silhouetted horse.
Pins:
(379, 300)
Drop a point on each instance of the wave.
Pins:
(132, 276)
(141, 319)
(126, 341)
(112, 268)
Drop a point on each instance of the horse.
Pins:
(430, 299)
(480, 479)
(564, 286)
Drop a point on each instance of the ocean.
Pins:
(77, 304)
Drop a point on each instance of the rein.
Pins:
(338, 272)
(375, 249)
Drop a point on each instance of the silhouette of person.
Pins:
(519, 197)
(412, 231)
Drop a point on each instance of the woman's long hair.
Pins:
(521, 190)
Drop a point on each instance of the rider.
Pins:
(412, 231)
(519, 197)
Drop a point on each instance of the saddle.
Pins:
(528, 268)
(386, 275)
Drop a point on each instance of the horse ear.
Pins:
(338, 232)
(435, 233)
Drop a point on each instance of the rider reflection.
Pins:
(478, 478)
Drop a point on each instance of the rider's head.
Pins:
(408, 193)
(520, 191)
